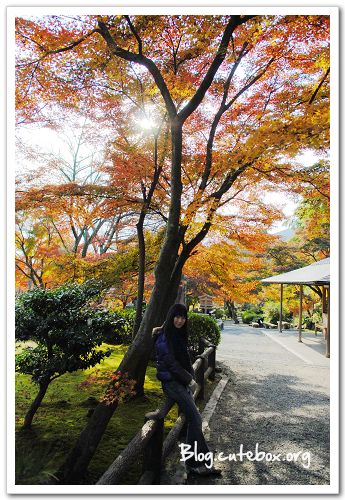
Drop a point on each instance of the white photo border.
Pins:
(179, 7)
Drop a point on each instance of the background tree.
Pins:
(310, 223)
(37, 250)
(230, 269)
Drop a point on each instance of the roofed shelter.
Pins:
(317, 274)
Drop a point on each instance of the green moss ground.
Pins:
(63, 415)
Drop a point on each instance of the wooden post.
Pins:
(328, 324)
(152, 455)
(281, 307)
(212, 362)
(201, 346)
(300, 314)
(184, 427)
(324, 309)
(199, 377)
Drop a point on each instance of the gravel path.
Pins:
(277, 396)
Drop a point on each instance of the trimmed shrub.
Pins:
(307, 322)
(67, 332)
(201, 325)
(250, 316)
(219, 313)
(119, 326)
(310, 320)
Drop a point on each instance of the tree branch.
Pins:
(216, 120)
(319, 86)
(135, 33)
(142, 60)
(249, 84)
(234, 22)
(57, 51)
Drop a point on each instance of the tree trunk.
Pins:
(138, 355)
(232, 310)
(167, 279)
(35, 405)
(134, 363)
(141, 239)
(141, 275)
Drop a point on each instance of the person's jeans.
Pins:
(183, 397)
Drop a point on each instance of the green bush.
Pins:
(66, 331)
(256, 308)
(119, 326)
(307, 322)
(272, 312)
(310, 320)
(251, 313)
(219, 313)
(201, 325)
(250, 316)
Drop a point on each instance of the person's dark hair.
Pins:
(175, 310)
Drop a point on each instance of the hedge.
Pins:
(201, 325)
(119, 326)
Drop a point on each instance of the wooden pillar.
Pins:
(281, 308)
(324, 309)
(199, 377)
(328, 324)
(152, 456)
(300, 313)
(212, 362)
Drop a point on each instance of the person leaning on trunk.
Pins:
(175, 371)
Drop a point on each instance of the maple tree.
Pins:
(312, 217)
(137, 172)
(238, 92)
(92, 212)
(67, 222)
(230, 269)
(75, 201)
(37, 250)
(75, 208)
(310, 241)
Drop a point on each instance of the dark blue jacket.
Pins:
(168, 368)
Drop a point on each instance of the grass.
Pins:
(63, 415)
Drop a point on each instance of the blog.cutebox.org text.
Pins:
(208, 458)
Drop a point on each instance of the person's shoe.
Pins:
(202, 470)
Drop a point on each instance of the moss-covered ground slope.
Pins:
(64, 413)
